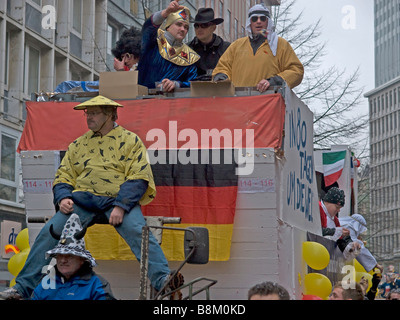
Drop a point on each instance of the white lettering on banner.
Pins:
(38, 186)
(299, 193)
(256, 185)
(236, 139)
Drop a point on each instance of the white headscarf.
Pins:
(356, 223)
(272, 37)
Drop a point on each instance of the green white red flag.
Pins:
(333, 164)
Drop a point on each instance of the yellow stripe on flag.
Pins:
(104, 243)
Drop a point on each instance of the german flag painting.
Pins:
(202, 195)
(193, 146)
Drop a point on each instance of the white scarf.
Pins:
(330, 223)
(272, 37)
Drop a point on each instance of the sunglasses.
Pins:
(255, 18)
(202, 25)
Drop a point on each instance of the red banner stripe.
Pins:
(197, 205)
(54, 125)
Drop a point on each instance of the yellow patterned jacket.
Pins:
(101, 165)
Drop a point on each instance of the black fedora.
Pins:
(206, 15)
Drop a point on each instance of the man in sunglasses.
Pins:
(262, 58)
(207, 44)
(164, 57)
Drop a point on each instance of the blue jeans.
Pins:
(130, 230)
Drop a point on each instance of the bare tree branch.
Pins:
(332, 94)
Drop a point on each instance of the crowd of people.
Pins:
(382, 287)
(347, 232)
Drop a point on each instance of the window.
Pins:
(236, 29)
(7, 53)
(229, 22)
(221, 12)
(32, 70)
(112, 37)
(134, 7)
(9, 166)
(36, 3)
(77, 15)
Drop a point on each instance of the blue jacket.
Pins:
(154, 68)
(85, 286)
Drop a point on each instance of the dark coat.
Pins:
(209, 55)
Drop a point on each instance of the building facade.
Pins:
(387, 39)
(384, 124)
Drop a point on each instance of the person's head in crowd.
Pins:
(347, 291)
(268, 291)
(394, 294)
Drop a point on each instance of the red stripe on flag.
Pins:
(332, 178)
(195, 205)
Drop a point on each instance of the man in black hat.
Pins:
(207, 44)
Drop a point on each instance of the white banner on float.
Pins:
(299, 195)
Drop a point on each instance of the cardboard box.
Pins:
(121, 85)
(212, 89)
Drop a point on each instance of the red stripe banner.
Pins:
(54, 125)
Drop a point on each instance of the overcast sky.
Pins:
(348, 28)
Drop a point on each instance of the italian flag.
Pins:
(333, 163)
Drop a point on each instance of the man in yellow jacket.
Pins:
(262, 59)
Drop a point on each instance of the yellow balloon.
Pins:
(358, 266)
(22, 240)
(318, 285)
(12, 283)
(315, 255)
(17, 262)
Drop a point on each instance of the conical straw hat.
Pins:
(97, 101)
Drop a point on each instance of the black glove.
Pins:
(220, 77)
(276, 81)
(376, 279)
